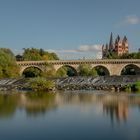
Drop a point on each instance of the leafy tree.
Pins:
(100, 71)
(34, 54)
(36, 72)
(41, 52)
(129, 70)
(136, 86)
(62, 72)
(31, 54)
(71, 72)
(112, 55)
(87, 70)
(133, 55)
(93, 72)
(50, 71)
(84, 69)
(8, 66)
(66, 71)
(32, 72)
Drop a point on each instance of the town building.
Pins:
(117, 48)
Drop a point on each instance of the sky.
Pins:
(74, 29)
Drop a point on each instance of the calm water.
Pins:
(69, 116)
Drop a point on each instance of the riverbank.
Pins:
(36, 84)
(114, 83)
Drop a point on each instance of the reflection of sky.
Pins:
(134, 127)
(74, 118)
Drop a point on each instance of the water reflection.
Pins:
(116, 107)
(37, 103)
(8, 105)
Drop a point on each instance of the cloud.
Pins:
(89, 48)
(129, 20)
(82, 48)
(62, 51)
(86, 51)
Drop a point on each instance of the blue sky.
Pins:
(72, 28)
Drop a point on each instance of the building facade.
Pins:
(117, 48)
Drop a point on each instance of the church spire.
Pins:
(111, 42)
(125, 39)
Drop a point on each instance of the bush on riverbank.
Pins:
(136, 86)
(41, 84)
(132, 87)
(127, 88)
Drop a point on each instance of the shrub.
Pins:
(41, 84)
(8, 66)
(136, 86)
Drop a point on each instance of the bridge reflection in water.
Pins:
(35, 104)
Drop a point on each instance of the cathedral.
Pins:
(117, 48)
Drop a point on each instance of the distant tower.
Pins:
(111, 42)
(106, 46)
(125, 45)
(125, 39)
(118, 38)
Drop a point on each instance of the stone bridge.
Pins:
(110, 66)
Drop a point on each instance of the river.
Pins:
(80, 115)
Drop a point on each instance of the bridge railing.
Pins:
(88, 61)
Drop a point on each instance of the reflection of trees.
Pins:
(8, 104)
(37, 103)
(115, 107)
(33, 103)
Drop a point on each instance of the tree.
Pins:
(93, 72)
(87, 70)
(133, 55)
(34, 54)
(84, 69)
(8, 66)
(50, 71)
(31, 54)
(62, 72)
(32, 72)
(112, 55)
(66, 71)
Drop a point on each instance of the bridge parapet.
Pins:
(95, 61)
(20, 63)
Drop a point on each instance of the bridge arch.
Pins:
(28, 67)
(130, 69)
(114, 66)
(70, 70)
(101, 70)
